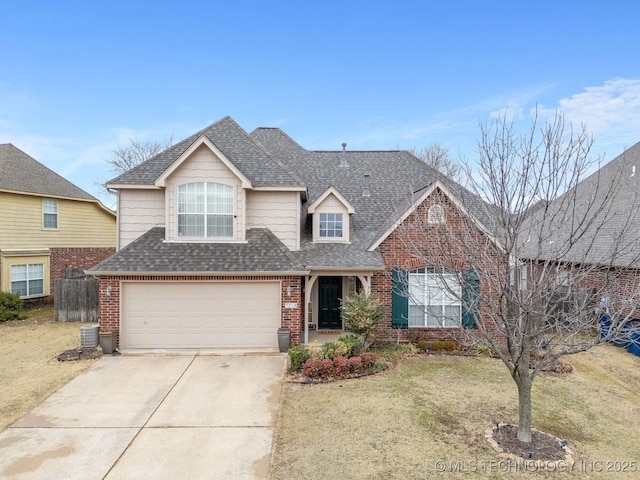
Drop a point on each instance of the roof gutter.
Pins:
(110, 273)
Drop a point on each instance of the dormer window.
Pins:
(205, 210)
(330, 225)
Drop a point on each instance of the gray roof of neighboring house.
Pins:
(262, 252)
(261, 168)
(597, 222)
(21, 173)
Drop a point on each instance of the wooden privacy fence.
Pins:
(75, 298)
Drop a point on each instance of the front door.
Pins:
(329, 295)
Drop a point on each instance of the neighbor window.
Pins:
(50, 212)
(434, 299)
(205, 210)
(330, 225)
(27, 279)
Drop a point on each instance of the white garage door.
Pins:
(199, 314)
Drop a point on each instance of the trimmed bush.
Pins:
(341, 366)
(368, 359)
(355, 364)
(298, 354)
(335, 349)
(353, 342)
(10, 307)
(312, 367)
(326, 368)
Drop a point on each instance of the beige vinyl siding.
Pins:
(279, 212)
(23, 258)
(138, 212)
(331, 204)
(204, 166)
(80, 224)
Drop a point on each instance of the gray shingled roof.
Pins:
(597, 222)
(21, 173)
(263, 252)
(250, 158)
(396, 179)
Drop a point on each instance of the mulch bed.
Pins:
(546, 447)
(80, 354)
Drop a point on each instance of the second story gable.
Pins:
(211, 187)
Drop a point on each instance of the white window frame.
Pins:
(211, 208)
(29, 274)
(434, 299)
(522, 272)
(49, 213)
(435, 215)
(330, 224)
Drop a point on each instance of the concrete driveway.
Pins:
(153, 416)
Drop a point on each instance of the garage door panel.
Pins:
(200, 314)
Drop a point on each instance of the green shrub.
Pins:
(484, 350)
(362, 313)
(298, 355)
(10, 307)
(335, 349)
(422, 345)
(353, 342)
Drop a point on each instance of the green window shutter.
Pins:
(470, 298)
(399, 298)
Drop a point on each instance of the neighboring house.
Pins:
(47, 225)
(594, 231)
(227, 236)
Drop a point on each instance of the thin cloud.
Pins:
(610, 111)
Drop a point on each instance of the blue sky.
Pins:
(79, 77)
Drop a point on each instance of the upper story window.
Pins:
(435, 214)
(205, 210)
(50, 213)
(330, 225)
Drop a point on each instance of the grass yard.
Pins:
(429, 409)
(30, 371)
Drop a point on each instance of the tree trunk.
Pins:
(524, 408)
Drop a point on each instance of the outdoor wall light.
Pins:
(108, 291)
(289, 291)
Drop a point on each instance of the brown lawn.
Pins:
(426, 418)
(30, 371)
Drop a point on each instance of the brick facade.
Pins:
(76, 257)
(418, 244)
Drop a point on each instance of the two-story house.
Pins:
(227, 236)
(47, 225)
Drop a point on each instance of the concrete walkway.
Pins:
(153, 416)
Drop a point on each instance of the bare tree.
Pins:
(437, 156)
(125, 157)
(543, 246)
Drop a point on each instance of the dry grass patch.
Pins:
(434, 408)
(30, 371)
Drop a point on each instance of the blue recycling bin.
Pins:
(605, 326)
(634, 344)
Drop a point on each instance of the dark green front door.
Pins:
(329, 295)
